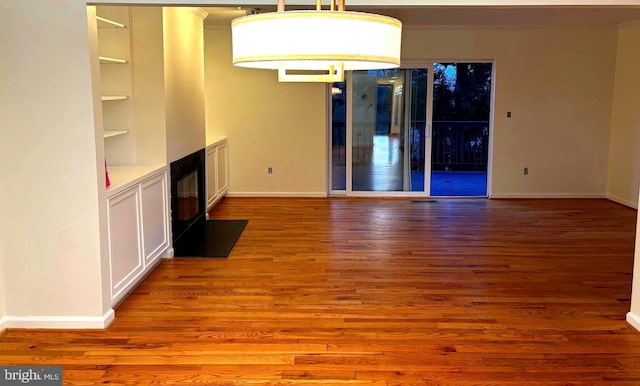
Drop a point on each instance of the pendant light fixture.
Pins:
(317, 45)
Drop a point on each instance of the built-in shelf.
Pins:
(114, 97)
(108, 23)
(106, 59)
(114, 133)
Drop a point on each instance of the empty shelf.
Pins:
(106, 59)
(113, 133)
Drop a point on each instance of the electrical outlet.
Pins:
(526, 171)
(269, 170)
(508, 114)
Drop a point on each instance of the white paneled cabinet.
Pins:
(211, 166)
(155, 231)
(138, 224)
(222, 179)
(124, 239)
(217, 171)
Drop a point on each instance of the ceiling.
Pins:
(569, 17)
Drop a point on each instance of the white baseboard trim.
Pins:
(59, 322)
(3, 322)
(547, 195)
(622, 201)
(633, 320)
(278, 194)
(169, 253)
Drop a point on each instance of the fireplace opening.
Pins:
(187, 197)
(188, 208)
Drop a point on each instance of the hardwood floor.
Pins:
(376, 292)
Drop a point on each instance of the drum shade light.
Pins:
(317, 45)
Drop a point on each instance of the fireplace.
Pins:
(188, 206)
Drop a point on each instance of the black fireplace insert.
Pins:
(188, 205)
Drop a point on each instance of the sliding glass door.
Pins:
(382, 142)
(460, 135)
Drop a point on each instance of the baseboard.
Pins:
(622, 201)
(169, 253)
(546, 195)
(59, 322)
(633, 320)
(3, 322)
(278, 194)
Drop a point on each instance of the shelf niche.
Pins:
(129, 42)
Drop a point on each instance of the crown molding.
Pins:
(630, 24)
(199, 12)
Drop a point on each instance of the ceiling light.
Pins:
(324, 42)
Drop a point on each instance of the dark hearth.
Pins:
(213, 238)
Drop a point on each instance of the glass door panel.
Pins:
(417, 127)
(338, 137)
(460, 139)
(378, 131)
(404, 130)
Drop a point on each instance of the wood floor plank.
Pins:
(374, 291)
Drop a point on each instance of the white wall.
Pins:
(184, 81)
(557, 84)
(633, 316)
(50, 166)
(148, 87)
(624, 158)
(268, 124)
(624, 150)
(3, 291)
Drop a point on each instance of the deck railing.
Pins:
(456, 145)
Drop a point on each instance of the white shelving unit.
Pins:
(116, 84)
(137, 199)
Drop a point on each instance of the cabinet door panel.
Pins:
(223, 183)
(124, 239)
(211, 170)
(154, 217)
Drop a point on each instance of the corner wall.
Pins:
(268, 124)
(184, 81)
(50, 168)
(624, 148)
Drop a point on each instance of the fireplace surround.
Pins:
(188, 204)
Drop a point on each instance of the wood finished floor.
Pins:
(376, 292)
